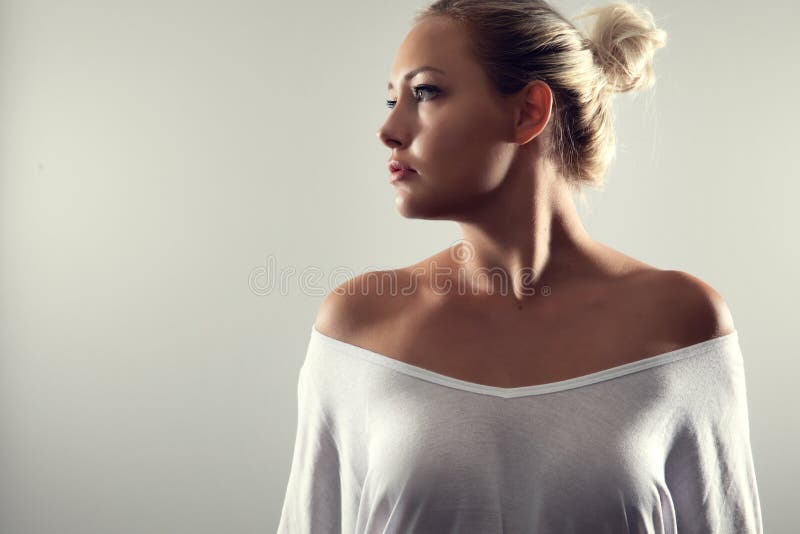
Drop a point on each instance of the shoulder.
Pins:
(691, 309)
(365, 300)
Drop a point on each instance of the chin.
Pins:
(408, 209)
(416, 203)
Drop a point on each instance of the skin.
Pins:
(479, 161)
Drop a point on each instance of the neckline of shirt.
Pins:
(536, 389)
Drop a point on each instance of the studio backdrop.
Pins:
(182, 183)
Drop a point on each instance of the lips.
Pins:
(400, 174)
(395, 165)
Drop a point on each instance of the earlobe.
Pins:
(532, 122)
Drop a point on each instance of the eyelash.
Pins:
(428, 88)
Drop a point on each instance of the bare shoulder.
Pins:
(692, 309)
(360, 303)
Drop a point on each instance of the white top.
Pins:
(659, 445)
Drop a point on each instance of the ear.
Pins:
(533, 112)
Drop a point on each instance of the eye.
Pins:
(416, 90)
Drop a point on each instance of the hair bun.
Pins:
(624, 39)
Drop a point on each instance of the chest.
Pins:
(580, 334)
(585, 452)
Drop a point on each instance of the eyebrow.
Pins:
(410, 74)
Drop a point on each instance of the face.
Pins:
(451, 126)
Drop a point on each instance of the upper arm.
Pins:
(709, 469)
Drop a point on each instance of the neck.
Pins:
(529, 234)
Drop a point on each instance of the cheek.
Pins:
(456, 133)
(465, 151)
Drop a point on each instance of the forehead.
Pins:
(435, 42)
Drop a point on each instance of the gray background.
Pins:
(157, 158)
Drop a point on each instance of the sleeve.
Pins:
(709, 471)
(313, 493)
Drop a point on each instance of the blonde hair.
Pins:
(519, 41)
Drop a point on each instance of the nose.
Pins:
(384, 138)
(395, 130)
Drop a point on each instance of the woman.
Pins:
(530, 378)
